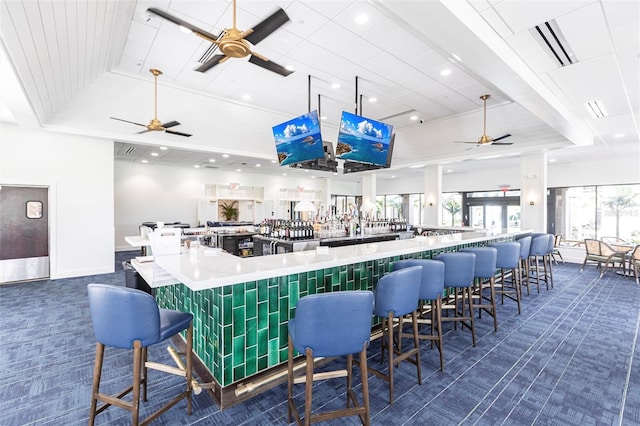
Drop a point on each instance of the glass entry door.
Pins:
(495, 217)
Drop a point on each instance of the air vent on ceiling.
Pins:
(550, 37)
(130, 150)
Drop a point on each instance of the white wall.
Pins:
(79, 172)
(149, 193)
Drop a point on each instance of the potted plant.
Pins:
(229, 210)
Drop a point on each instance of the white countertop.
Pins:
(208, 268)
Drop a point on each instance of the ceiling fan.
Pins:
(234, 43)
(484, 139)
(155, 124)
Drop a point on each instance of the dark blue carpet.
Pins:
(567, 360)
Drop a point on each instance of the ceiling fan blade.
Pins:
(501, 137)
(270, 65)
(473, 142)
(197, 31)
(127, 121)
(170, 124)
(215, 60)
(267, 26)
(502, 143)
(143, 131)
(173, 132)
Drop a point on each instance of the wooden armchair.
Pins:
(602, 253)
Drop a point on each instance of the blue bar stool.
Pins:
(330, 325)
(538, 253)
(484, 273)
(397, 294)
(508, 262)
(128, 318)
(431, 291)
(525, 248)
(459, 269)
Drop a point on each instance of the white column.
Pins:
(433, 195)
(533, 192)
(368, 189)
(325, 187)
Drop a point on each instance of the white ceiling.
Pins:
(80, 62)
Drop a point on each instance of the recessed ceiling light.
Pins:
(413, 118)
(258, 165)
(212, 160)
(362, 19)
(154, 154)
(393, 176)
(284, 174)
(324, 117)
(246, 97)
(238, 170)
(335, 86)
(273, 161)
(306, 171)
(225, 155)
(163, 148)
(313, 177)
(417, 166)
(449, 170)
(619, 135)
(372, 100)
(445, 72)
(145, 161)
(197, 166)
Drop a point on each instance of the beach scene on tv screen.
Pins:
(363, 139)
(299, 139)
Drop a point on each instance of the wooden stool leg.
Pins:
(365, 385)
(189, 356)
(137, 371)
(97, 373)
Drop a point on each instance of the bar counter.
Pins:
(241, 306)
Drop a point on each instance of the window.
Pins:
(597, 211)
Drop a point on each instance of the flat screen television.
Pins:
(299, 139)
(363, 140)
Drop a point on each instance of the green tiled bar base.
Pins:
(241, 329)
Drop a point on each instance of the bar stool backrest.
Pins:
(486, 258)
(539, 245)
(432, 283)
(122, 315)
(398, 292)
(332, 324)
(508, 255)
(459, 268)
(525, 247)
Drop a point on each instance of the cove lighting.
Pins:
(212, 160)
(362, 19)
(163, 148)
(445, 72)
(154, 154)
(225, 155)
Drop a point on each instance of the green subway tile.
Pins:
(302, 287)
(238, 295)
(239, 373)
(273, 299)
(274, 352)
(283, 333)
(263, 292)
(251, 360)
(263, 315)
(239, 322)
(273, 325)
(227, 369)
(263, 340)
(238, 351)
(227, 310)
(227, 338)
(251, 303)
(252, 332)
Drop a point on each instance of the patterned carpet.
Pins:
(568, 359)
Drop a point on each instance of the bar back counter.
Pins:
(241, 306)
